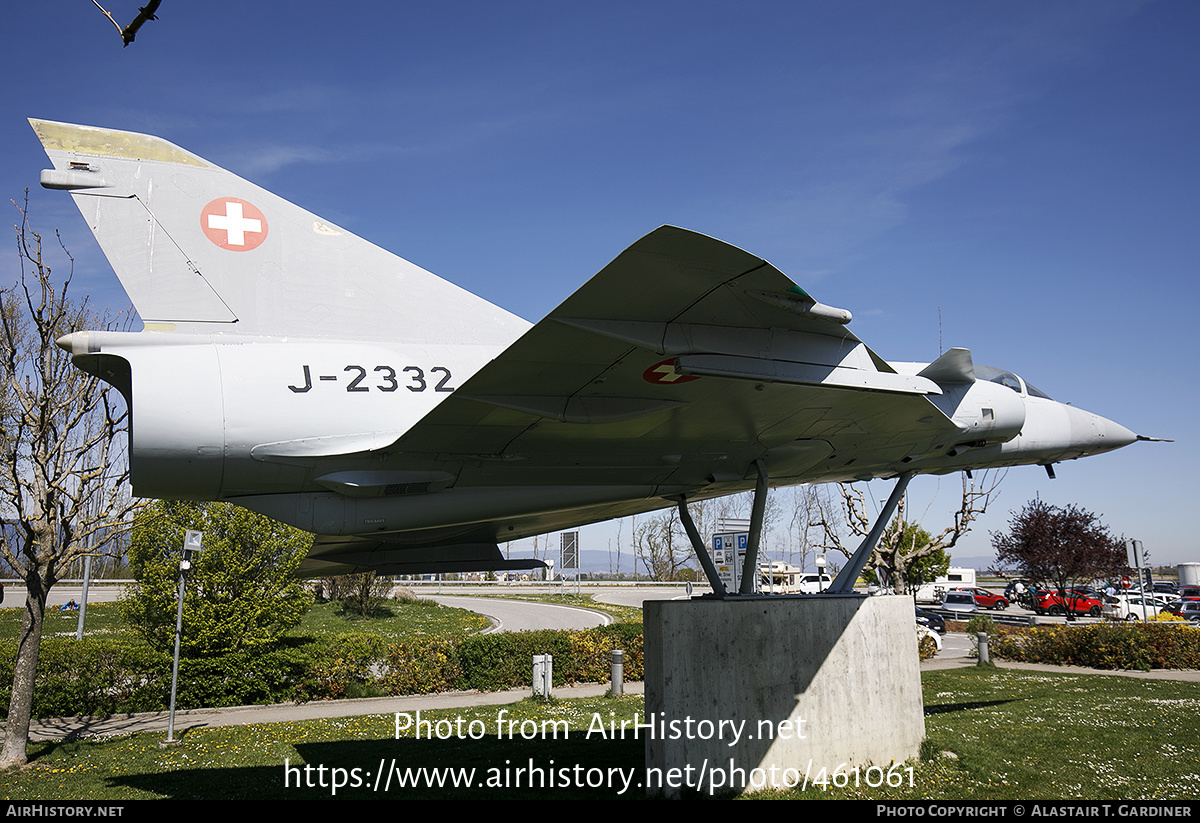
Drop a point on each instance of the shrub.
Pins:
(592, 653)
(926, 648)
(1141, 646)
(243, 678)
(91, 676)
(242, 593)
(103, 676)
(342, 664)
(421, 665)
(363, 593)
(505, 661)
(980, 623)
(491, 662)
(100, 676)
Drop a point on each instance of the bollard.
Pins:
(984, 657)
(543, 675)
(618, 672)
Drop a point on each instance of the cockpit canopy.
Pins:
(1010, 380)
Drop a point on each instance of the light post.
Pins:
(1133, 549)
(193, 541)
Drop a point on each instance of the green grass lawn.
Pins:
(101, 618)
(992, 734)
(393, 621)
(1009, 734)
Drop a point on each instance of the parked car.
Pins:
(1190, 610)
(1130, 607)
(963, 602)
(931, 621)
(814, 583)
(1074, 601)
(922, 631)
(985, 599)
(1159, 599)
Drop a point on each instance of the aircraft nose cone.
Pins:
(1111, 435)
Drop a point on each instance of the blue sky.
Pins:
(1021, 179)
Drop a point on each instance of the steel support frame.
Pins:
(749, 565)
(706, 563)
(844, 584)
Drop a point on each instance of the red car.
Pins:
(1054, 604)
(983, 598)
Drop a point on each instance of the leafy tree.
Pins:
(911, 542)
(242, 592)
(1060, 546)
(928, 568)
(63, 472)
(686, 575)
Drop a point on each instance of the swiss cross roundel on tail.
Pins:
(233, 224)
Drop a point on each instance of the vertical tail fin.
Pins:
(200, 249)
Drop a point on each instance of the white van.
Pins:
(784, 578)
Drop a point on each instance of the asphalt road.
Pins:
(636, 597)
(521, 615)
(14, 596)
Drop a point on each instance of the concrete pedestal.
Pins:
(750, 694)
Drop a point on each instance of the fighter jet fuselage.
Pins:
(295, 369)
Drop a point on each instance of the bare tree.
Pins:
(145, 13)
(814, 517)
(620, 523)
(364, 592)
(898, 553)
(661, 545)
(63, 466)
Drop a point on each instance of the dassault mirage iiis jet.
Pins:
(299, 371)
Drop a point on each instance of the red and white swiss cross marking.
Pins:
(233, 224)
(664, 374)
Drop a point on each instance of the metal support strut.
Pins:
(749, 566)
(844, 584)
(710, 570)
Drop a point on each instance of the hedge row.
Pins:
(1141, 646)
(88, 676)
(102, 676)
(490, 662)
